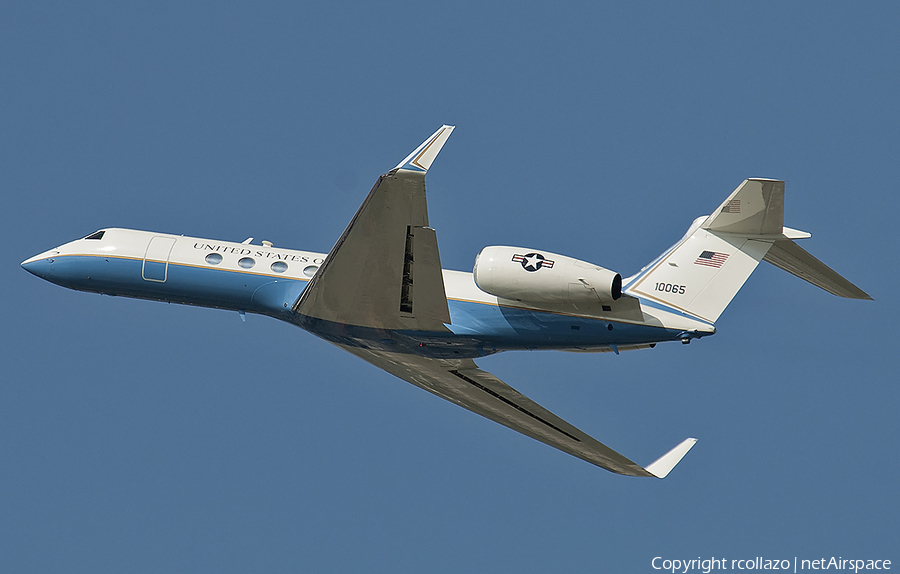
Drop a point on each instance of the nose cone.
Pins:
(41, 265)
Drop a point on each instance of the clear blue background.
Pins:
(144, 437)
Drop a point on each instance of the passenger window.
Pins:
(246, 262)
(214, 258)
(279, 267)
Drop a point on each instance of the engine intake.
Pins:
(531, 275)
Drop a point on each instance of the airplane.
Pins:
(382, 295)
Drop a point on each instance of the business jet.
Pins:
(381, 294)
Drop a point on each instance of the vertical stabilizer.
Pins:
(756, 207)
(702, 273)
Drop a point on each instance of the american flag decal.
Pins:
(711, 259)
(733, 206)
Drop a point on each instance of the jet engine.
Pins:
(541, 277)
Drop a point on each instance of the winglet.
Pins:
(667, 462)
(422, 157)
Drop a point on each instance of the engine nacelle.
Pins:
(531, 275)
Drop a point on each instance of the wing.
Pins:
(461, 381)
(385, 271)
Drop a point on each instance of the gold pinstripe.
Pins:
(195, 266)
(415, 162)
(660, 301)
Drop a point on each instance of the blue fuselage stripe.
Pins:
(476, 328)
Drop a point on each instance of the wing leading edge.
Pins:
(384, 274)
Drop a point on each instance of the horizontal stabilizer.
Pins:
(794, 259)
(662, 467)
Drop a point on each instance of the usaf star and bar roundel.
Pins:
(533, 261)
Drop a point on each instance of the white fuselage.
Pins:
(268, 280)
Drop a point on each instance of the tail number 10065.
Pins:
(669, 288)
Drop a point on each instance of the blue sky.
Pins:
(144, 437)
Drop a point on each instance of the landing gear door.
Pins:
(156, 259)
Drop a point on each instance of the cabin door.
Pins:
(156, 259)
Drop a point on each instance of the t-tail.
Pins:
(702, 273)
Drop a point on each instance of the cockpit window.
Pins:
(96, 235)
